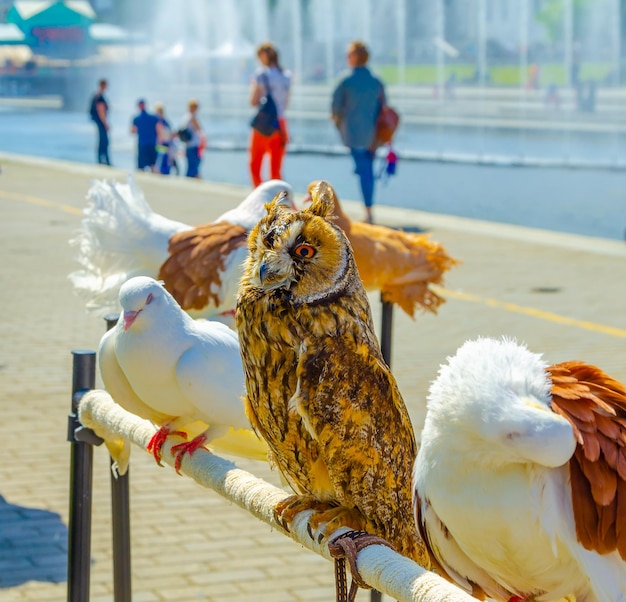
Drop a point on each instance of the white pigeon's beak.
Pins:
(129, 318)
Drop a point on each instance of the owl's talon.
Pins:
(320, 537)
(310, 531)
(285, 525)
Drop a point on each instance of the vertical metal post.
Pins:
(375, 596)
(481, 32)
(385, 346)
(366, 24)
(524, 81)
(440, 33)
(616, 35)
(120, 520)
(120, 517)
(385, 331)
(568, 40)
(81, 472)
(401, 41)
(297, 31)
(329, 9)
(481, 35)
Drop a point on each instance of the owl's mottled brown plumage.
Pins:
(318, 389)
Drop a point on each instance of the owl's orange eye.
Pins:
(304, 251)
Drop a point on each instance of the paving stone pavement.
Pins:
(561, 294)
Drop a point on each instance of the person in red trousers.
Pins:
(270, 75)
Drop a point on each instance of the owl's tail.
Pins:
(120, 237)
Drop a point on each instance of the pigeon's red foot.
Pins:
(158, 439)
(516, 599)
(187, 447)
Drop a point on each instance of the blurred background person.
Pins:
(99, 111)
(192, 135)
(166, 143)
(269, 76)
(356, 102)
(145, 126)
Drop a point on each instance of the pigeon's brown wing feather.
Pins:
(595, 405)
(193, 271)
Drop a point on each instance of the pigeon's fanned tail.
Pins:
(242, 443)
(120, 237)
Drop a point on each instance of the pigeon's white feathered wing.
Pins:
(177, 372)
(121, 237)
(493, 494)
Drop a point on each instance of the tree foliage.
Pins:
(551, 15)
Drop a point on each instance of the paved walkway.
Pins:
(563, 295)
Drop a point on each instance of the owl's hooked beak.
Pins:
(271, 276)
(263, 270)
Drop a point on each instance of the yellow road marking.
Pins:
(534, 312)
(35, 200)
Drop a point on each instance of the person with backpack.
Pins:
(192, 135)
(271, 80)
(166, 143)
(99, 112)
(356, 103)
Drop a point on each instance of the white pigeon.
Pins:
(520, 480)
(121, 237)
(182, 374)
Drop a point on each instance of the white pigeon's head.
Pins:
(493, 399)
(140, 298)
(250, 211)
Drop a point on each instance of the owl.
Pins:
(317, 388)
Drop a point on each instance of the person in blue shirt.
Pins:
(356, 103)
(145, 126)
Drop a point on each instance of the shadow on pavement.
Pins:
(33, 545)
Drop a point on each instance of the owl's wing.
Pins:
(194, 273)
(351, 405)
(595, 405)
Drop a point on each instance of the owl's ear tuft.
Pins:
(322, 199)
(279, 203)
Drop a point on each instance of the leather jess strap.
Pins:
(346, 547)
